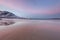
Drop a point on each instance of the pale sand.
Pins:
(31, 30)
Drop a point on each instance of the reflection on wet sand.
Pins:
(31, 30)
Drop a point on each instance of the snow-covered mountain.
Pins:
(6, 14)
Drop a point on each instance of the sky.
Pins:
(32, 8)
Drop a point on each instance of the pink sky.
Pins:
(24, 8)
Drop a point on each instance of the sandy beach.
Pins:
(31, 30)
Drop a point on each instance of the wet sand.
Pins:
(31, 30)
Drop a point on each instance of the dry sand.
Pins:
(31, 30)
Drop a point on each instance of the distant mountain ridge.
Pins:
(6, 14)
